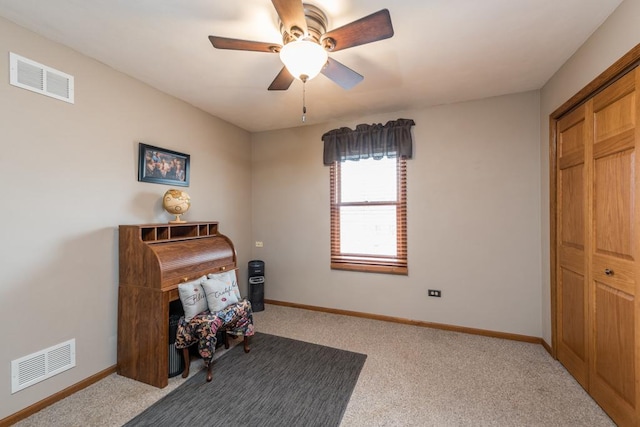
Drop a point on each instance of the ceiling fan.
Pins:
(306, 43)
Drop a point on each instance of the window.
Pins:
(368, 215)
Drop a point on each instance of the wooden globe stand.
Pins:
(177, 220)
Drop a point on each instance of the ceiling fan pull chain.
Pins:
(304, 102)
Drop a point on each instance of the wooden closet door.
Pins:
(571, 280)
(615, 235)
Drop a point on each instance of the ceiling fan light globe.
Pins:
(303, 58)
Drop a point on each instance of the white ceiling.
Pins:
(443, 51)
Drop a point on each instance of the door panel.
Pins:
(616, 117)
(572, 344)
(614, 235)
(613, 205)
(573, 290)
(572, 225)
(615, 349)
(619, 274)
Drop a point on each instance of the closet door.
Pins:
(614, 240)
(571, 280)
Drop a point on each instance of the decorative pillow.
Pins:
(231, 277)
(219, 292)
(193, 298)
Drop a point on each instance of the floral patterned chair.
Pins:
(236, 319)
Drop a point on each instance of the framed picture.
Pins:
(162, 166)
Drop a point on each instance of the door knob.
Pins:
(608, 272)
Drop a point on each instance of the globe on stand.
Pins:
(176, 202)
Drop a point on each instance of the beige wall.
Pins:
(70, 177)
(477, 199)
(617, 35)
(473, 219)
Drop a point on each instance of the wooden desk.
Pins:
(154, 259)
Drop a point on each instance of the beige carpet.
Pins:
(412, 377)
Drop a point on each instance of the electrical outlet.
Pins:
(259, 244)
(434, 293)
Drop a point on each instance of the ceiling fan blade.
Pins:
(236, 44)
(341, 74)
(371, 28)
(282, 81)
(291, 13)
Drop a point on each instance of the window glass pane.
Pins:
(369, 230)
(368, 180)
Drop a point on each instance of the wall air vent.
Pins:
(39, 78)
(41, 365)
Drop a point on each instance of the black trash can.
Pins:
(176, 362)
(256, 284)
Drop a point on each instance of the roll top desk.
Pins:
(153, 260)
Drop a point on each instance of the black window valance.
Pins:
(390, 140)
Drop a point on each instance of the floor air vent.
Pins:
(41, 365)
(39, 78)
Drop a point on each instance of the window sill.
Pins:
(370, 268)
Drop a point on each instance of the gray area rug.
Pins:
(281, 382)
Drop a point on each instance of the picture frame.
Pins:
(161, 166)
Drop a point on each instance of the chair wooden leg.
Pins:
(187, 363)
(225, 336)
(209, 373)
(247, 349)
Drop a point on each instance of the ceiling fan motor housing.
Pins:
(316, 26)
